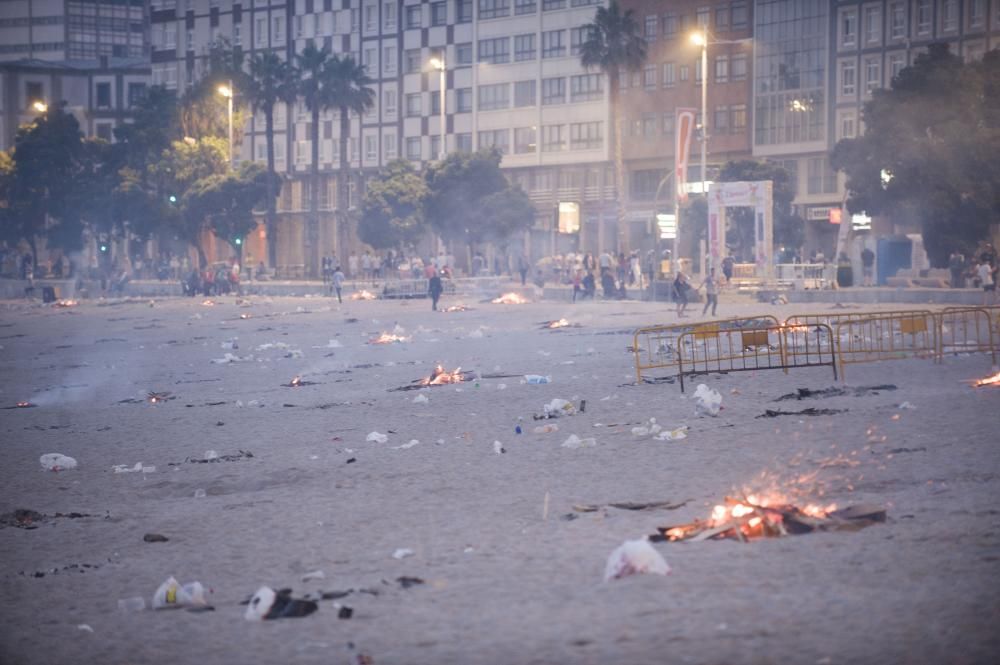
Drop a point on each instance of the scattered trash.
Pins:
(649, 429)
(376, 437)
(498, 448)
(57, 462)
(635, 557)
(402, 553)
(155, 538)
(630, 505)
(673, 434)
(409, 444)
(269, 604)
(314, 575)
(344, 612)
(836, 391)
(138, 468)
(171, 594)
(537, 379)
(420, 399)
(811, 411)
(407, 582)
(85, 628)
(200, 494)
(231, 344)
(908, 406)
(545, 429)
(707, 401)
(576, 442)
(212, 457)
(230, 358)
(556, 408)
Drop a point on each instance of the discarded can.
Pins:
(517, 430)
(537, 378)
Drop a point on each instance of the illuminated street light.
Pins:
(41, 107)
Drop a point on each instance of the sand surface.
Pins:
(509, 576)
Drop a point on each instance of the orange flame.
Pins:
(295, 382)
(208, 303)
(993, 380)
(24, 405)
(561, 323)
(363, 295)
(244, 316)
(388, 338)
(510, 299)
(440, 376)
(456, 308)
(66, 303)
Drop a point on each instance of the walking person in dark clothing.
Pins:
(867, 266)
(434, 288)
(522, 267)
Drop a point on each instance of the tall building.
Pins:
(672, 79)
(512, 80)
(73, 29)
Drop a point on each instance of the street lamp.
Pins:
(701, 39)
(439, 64)
(227, 92)
(40, 106)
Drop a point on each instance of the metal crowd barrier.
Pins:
(711, 349)
(833, 319)
(968, 330)
(893, 336)
(656, 347)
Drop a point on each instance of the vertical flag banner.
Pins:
(682, 148)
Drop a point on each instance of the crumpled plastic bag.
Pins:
(558, 407)
(576, 442)
(708, 402)
(172, 594)
(56, 462)
(649, 429)
(634, 557)
(377, 437)
(672, 434)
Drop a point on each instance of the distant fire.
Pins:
(388, 338)
(363, 295)
(25, 405)
(66, 303)
(561, 323)
(156, 398)
(989, 381)
(295, 382)
(456, 308)
(245, 316)
(208, 303)
(510, 299)
(440, 376)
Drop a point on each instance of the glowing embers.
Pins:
(158, 397)
(363, 295)
(768, 516)
(510, 299)
(66, 303)
(993, 380)
(389, 338)
(440, 376)
(298, 382)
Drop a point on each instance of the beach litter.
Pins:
(57, 462)
(708, 402)
(573, 441)
(171, 594)
(635, 557)
(268, 604)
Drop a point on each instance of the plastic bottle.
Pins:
(537, 378)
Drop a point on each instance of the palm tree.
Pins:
(313, 65)
(350, 91)
(271, 80)
(616, 46)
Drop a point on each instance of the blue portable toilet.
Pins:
(892, 254)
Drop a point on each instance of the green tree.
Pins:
(615, 45)
(392, 210)
(271, 80)
(931, 150)
(155, 124)
(223, 203)
(466, 196)
(789, 229)
(203, 111)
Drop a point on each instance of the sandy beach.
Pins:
(510, 571)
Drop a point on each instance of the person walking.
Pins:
(338, 283)
(681, 286)
(711, 286)
(522, 268)
(727, 267)
(577, 283)
(434, 288)
(868, 266)
(985, 273)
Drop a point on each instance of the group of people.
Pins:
(981, 270)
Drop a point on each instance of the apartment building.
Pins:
(512, 80)
(672, 79)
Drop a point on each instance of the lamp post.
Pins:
(701, 39)
(439, 64)
(227, 92)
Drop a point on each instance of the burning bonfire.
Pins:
(297, 382)
(22, 405)
(456, 308)
(66, 303)
(756, 517)
(440, 376)
(363, 295)
(560, 323)
(245, 316)
(388, 338)
(988, 381)
(510, 299)
(208, 303)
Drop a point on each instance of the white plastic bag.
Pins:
(172, 594)
(377, 437)
(634, 557)
(56, 462)
(576, 442)
(708, 402)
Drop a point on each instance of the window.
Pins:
(369, 58)
(412, 62)
(849, 28)
(669, 25)
(977, 13)
(577, 36)
(169, 37)
(463, 53)
(721, 18)
(414, 15)
(685, 73)
(439, 13)
(493, 97)
(669, 74)
(897, 20)
(739, 118)
(435, 146)
(822, 179)
(585, 136)
(237, 34)
(554, 91)
(873, 25)
(103, 95)
(668, 125)
(553, 138)
(389, 103)
(278, 30)
(583, 3)
(649, 124)
(553, 44)
(463, 11)
(949, 15)
(371, 148)
(189, 39)
(649, 77)
(720, 122)
(389, 60)
(697, 70)
(435, 97)
(494, 51)
(463, 142)
(848, 79)
(549, 5)
(463, 100)
(524, 47)
(493, 8)
(650, 27)
(525, 6)
(702, 17)
(524, 93)
(414, 104)
(413, 148)
(738, 67)
(495, 138)
(739, 15)
(721, 69)
(136, 92)
(586, 87)
(524, 140)
(643, 184)
(847, 126)
(873, 74)
(370, 13)
(924, 13)
(897, 63)
(261, 32)
(389, 16)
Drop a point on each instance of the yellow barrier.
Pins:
(967, 330)
(747, 349)
(897, 335)
(655, 347)
(833, 319)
